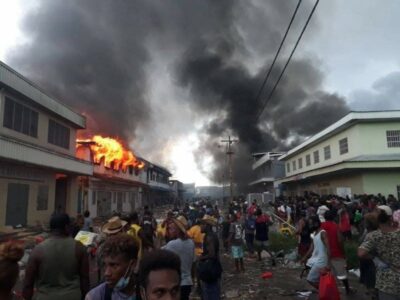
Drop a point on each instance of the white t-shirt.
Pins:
(321, 212)
(185, 250)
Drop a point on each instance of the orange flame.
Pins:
(113, 153)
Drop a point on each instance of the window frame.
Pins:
(58, 134)
(326, 157)
(316, 156)
(342, 149)
(308, 160)
(24, 121)
(300, 162)
(393, 140)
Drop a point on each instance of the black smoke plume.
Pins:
(96, 55)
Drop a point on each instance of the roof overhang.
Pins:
(347, 121)
(342, 167)
(262, 180)
(12, 79)
(17, 151)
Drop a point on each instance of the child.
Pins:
(236, 240)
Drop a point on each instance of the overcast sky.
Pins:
(355, 43)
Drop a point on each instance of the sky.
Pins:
(354, 45)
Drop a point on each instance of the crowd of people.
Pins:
(136, 257)
(325, 224)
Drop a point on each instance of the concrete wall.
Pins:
(384, 182)
(353, 136)
(373, 137)
(33, 215)
(43, 126)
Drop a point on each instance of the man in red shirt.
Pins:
(336, 249)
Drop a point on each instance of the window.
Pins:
(343, 146)
(42, 197)
(294, 165)
(398, 192)
(288, 167)
(94, 194)
(20, 118)
(300, 163)
(393, 138)
(308, 159)
(316, 157)
(58, 134)
(327, 152)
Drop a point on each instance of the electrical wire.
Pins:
(277, 53)
(288, 61)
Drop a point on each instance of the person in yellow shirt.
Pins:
(195, 234)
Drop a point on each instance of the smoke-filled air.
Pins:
(152, 72)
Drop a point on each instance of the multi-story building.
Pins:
(158, 190)
(358, 154)
(266, 168)
(177, 190)
(38, 168)
(110, 190)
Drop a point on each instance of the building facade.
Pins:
(358, 154)
(158, 190)
(38, 168)
(177, 190)
(266, 168)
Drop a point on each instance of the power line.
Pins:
(288, 61)
(277, 53)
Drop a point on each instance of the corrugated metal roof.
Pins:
(16, 81)
(30, 154)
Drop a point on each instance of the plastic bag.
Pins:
(328, 289)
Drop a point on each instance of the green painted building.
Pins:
(358, 154)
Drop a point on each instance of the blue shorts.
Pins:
(237, 251)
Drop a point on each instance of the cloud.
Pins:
(383, 95)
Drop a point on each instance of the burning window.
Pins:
(111, 152)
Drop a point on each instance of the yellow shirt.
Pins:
(134, 232)
(195, 234)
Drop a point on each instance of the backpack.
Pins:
(251, 224)
(238, 232)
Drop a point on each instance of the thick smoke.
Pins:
(99, 57)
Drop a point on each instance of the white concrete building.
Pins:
(358, 154)
(38, 167)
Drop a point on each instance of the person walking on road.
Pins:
(185, 249)
(209, 269)
(236, 241)
(263, 221)
(58, 267)
(336, 249)
(384, 244)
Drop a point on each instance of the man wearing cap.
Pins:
(384, 244)
(184, 248)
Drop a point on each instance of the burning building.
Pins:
(38, 167)
(118, 180)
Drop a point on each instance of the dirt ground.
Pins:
(284, 284)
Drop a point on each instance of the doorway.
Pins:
(17, 204)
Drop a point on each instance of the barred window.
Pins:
(20, 118)
(393, 138)
(300, 162)
(316, 157)
(308, 159)
(327, 152)
(343, 146)
(288, 167)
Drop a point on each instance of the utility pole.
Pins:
(229, 153)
